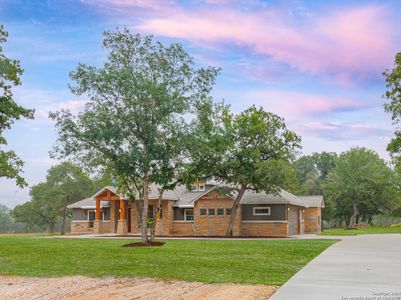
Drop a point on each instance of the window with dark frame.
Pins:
(188, 214)
(203, 212)
(91, 218)
(212, 212)
(229, 211)
(220, 211)
(261, 211)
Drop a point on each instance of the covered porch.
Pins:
(119, 216)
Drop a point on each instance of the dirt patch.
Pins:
(140, 244)
(81, 287)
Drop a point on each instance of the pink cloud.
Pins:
(75, 106)
(298, 105)
(343, 131)
(346, 44)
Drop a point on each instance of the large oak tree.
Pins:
(248, 151)
(140, 103)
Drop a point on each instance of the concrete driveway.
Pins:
(363, 267)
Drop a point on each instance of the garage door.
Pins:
(293, 221)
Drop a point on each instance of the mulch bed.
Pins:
(148, 244)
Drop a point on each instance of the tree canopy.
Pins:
(393, 106)
(361, 184)
(139, 108)
(248, 151)
(312, 171)
(10, 73)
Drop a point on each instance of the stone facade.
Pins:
(215, 225)
(80, 227)
(264, 229)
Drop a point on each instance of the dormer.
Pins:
(198, 186)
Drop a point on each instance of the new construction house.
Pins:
(200, 211)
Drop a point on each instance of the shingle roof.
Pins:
(313, 201)
(88, 203)
(183, 197)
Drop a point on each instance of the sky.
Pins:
(318, 64)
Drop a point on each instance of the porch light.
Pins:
(120, 210)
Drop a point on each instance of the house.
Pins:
(201, 211)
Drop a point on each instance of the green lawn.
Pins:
(362, 230)
(252, 262)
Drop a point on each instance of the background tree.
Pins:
(140, 103)
(25, 214)
(10, 72)
(69, 184)
(248, 151)
(312, 171)
(6, 219)
(45, 204)
(360, 185)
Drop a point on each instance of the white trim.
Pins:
(202, 187)
(182, 221)
(185, 214)
(79, 221)
(185, 206)
(262, 214)
(245, 221)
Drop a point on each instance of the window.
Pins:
(261, 211)
(194, 188)
(202, 187)
(188, 214)
(91, 217)
(228, 211)
(220, 211)
(212, 212)
(203, 212)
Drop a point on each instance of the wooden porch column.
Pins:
(122, 209)
(97, 210)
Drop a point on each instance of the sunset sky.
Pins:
(318, 64)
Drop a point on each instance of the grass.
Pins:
(246, 262)
(362, 230)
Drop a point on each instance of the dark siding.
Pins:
(277, 212)
(79, 214)
(178, 213)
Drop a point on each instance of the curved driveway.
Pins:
(363, 267)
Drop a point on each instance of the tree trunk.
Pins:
(63, 225)
(144, 223)
(157, 215)
(50, 227)
(230, 226)
(352, 220)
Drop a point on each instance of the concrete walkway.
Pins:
(359, 268)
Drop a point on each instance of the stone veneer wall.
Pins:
(214, 225)
(182, 228)
(80, 227)
(264, 229)
(312, 217)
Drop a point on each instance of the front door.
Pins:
(129, 219)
